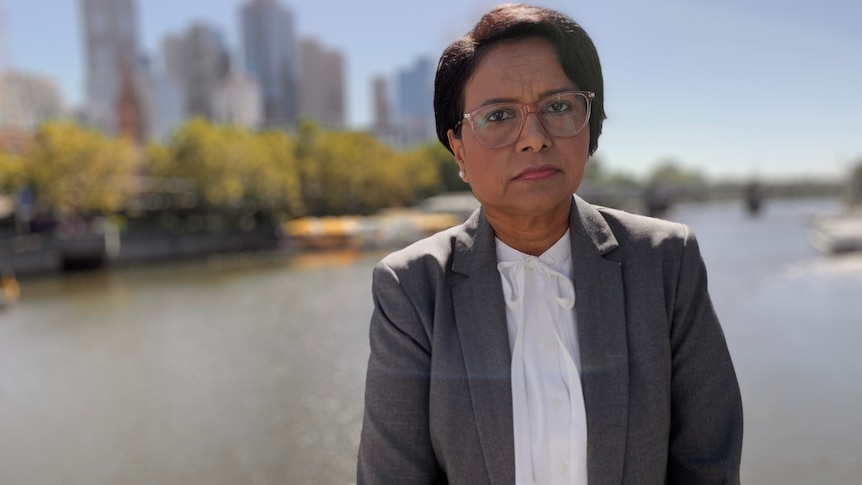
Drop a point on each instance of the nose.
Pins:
(533, 136)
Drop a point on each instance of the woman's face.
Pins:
(537, 174)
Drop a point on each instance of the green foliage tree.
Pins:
(232, 167)
(12, 173)
(856, 183)
(444, 177)
(597, 173)
(276, 178)
(312, 190)
(73, 168)
(210, 156)
(672, 173)
(670, 180)
(312, 172)
(352, 173)
(595, 169)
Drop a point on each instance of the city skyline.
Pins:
(739, 88)
(270, 53)
(114, 95)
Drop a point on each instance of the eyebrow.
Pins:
(542, 95)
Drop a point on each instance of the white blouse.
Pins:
(547, 401)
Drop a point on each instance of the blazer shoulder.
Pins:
(433, 253)
(643, 231)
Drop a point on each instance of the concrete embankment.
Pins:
(45, 253)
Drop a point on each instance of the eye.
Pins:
(558, 106)
(498, 114)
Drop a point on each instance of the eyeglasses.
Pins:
(562, 114)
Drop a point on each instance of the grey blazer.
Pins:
(662, 401)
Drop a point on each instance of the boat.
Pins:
(389, 229)
(10, 291)
(837, 234)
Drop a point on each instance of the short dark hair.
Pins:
(575, 51)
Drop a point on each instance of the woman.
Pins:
(544, 340)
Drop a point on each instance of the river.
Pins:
(250, 369)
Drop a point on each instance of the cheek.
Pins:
(580, 153)
(476, 155)
(483, 165)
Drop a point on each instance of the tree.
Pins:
(352, 173)
(233, 168)
(444, 177)
(77, 169)
(208, 155)
(276, 178)
(594, 171)
(856, 183)
(12, 173)
(671, 173)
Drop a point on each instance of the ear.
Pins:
(458, 150)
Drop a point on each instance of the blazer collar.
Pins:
(474, 245)
(603, 342)
(480, 317)
(587, 220)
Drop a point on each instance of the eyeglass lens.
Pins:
(562, 115)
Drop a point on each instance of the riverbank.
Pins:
(100, 244)
(33, 254)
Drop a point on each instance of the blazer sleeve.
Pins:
(706, 406)
(395, 444)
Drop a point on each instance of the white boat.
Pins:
(838, 234)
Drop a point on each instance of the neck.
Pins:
(531, 234)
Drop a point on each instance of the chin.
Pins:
(540, 204)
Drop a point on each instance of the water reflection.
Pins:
(242, 371)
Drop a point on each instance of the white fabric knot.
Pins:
(561, 287)
(549, 418)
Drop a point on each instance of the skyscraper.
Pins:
(113, 72)
(27, 100)
(198, 62)
(382, 125)
(322, 84)
(272, 58)
(236, 101)
(415, 102)
(168, 105)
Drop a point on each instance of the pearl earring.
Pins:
(461, 174)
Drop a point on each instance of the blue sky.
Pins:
(734, 88)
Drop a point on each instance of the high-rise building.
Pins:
(198, 61)
(237, 101)
(27, 100)
(381, 104)
(272, 57)
(382, 122)
(113, 70)
(321, 86)
(415, 103)
(168, 105)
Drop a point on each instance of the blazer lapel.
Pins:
(480, 316)
(602, 340)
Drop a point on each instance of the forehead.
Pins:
(521, 70)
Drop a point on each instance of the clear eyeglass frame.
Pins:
(526, 109)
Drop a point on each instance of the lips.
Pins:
(538, 173)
